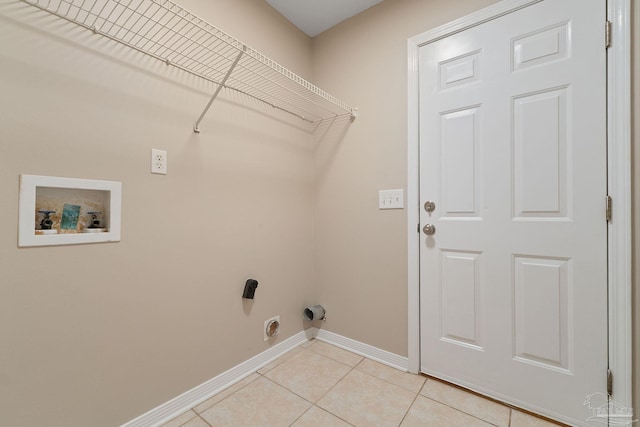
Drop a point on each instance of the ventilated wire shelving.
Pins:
(170, 33)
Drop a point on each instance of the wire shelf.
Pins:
(170, 33)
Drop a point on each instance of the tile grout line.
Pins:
(410, 391)
(351, 369)
(389, 382)
(461, 411)
(301, 415)
(465, 412)
(337, 416)
(307, 400)
(409, 409)
(509, 406)
(205, 421)
(363, 358)
(224, 398)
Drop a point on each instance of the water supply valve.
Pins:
(95, 220)
(46, 222)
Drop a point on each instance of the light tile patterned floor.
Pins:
(318, 384)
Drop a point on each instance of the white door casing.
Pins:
(513, 153)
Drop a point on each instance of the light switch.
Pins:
(391, 199)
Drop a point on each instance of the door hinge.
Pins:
(607, 34)
(608, 208)
(609, 382)
(418, 228)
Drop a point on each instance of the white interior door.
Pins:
(513, 282)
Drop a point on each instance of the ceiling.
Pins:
(315, 16)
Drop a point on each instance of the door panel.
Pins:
(459, 304)
(540, 154)
(513, 283)
(458, 148)
(541, 285)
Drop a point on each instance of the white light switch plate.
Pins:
(391, 199)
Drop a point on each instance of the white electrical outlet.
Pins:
(271, 327)
(391, 199)
(158, 161)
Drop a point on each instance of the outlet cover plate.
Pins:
(391, 199)
(158, 161)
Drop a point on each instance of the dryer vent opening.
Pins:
(315, 312)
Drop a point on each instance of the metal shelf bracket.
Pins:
(196, 128)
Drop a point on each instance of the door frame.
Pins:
(619, 183)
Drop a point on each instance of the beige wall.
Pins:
(95, 335)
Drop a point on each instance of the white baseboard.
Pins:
(171, 409)
(366, 350)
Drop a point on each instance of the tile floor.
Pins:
(318, 384)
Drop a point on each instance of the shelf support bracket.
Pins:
(196, 129)
(354, 114)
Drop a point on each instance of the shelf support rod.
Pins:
(196, 129)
